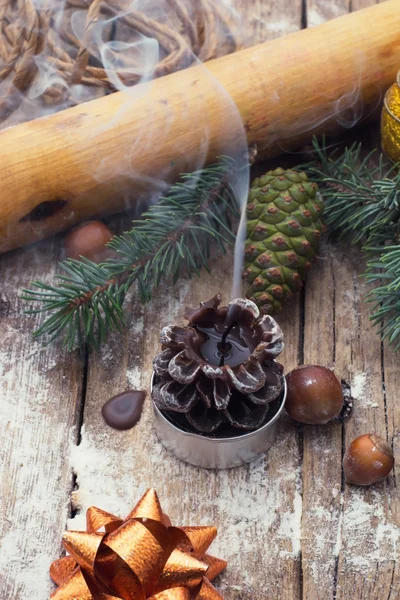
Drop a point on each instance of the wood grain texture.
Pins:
(40, 394)
(358, 4)
(40, 400)
(251, 505)
(269, 20)
(347, 519)
(319, 11)
(391, 374)
(350, 535)
(342, 547)
(369, 533)
(58, 161)
(322, 444)
(288, 524)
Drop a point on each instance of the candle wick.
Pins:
(225, 335)
(222, 344)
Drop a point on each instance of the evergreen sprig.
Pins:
(362, 206)
(385, 272)
(173, 238)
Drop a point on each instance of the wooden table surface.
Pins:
(288, 524)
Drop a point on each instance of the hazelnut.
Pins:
(88, 240)
(314, 395)
(368, 459)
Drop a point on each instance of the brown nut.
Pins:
(314, 395)
(368, 459)
(88, 240)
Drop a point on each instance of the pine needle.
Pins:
(173, 238)
(362, 206)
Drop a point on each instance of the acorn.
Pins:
(88, 240)
(368, 459)
(314, 395)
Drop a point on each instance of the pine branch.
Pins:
(385, 272)
(362, 201)
(173, 238)
(362, 205)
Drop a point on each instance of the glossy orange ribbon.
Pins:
(141, 558)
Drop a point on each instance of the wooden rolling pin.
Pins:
(95, 158)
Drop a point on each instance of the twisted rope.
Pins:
(37, 34)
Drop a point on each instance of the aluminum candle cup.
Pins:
(214, 452)
(390, 123)
(217, 388)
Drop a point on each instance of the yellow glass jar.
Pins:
(390, 124)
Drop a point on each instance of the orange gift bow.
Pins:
(141, 558)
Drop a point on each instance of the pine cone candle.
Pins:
(283, 231)
(218, 374)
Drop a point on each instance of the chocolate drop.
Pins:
(124, 410)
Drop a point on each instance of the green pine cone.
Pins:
(283, 231)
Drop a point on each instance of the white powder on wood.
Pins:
(279, 26)
(289, 527)
(35, 476)
(326, 10)
(361, 392)
(359, 386)
(261, 501)
(115, 468)
(248, 504)
(369, 537)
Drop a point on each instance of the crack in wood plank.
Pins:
(39, 396)
(340, 521)
(85, 359)
(304, 17)
(369, 523)
(322, 444)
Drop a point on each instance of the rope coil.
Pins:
(36, 37)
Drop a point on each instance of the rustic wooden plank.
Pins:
(251, 505)
(359, 4)
(350, 535)
(392, 406)
(369, 535)
(40, 398)
(256, 508)
(322, 444)
(269, 20)
(319, 11)
(40, 394)
(338, 530)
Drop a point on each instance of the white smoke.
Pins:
(84, 50)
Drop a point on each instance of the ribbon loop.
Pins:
(97, 518)
(140, 558)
